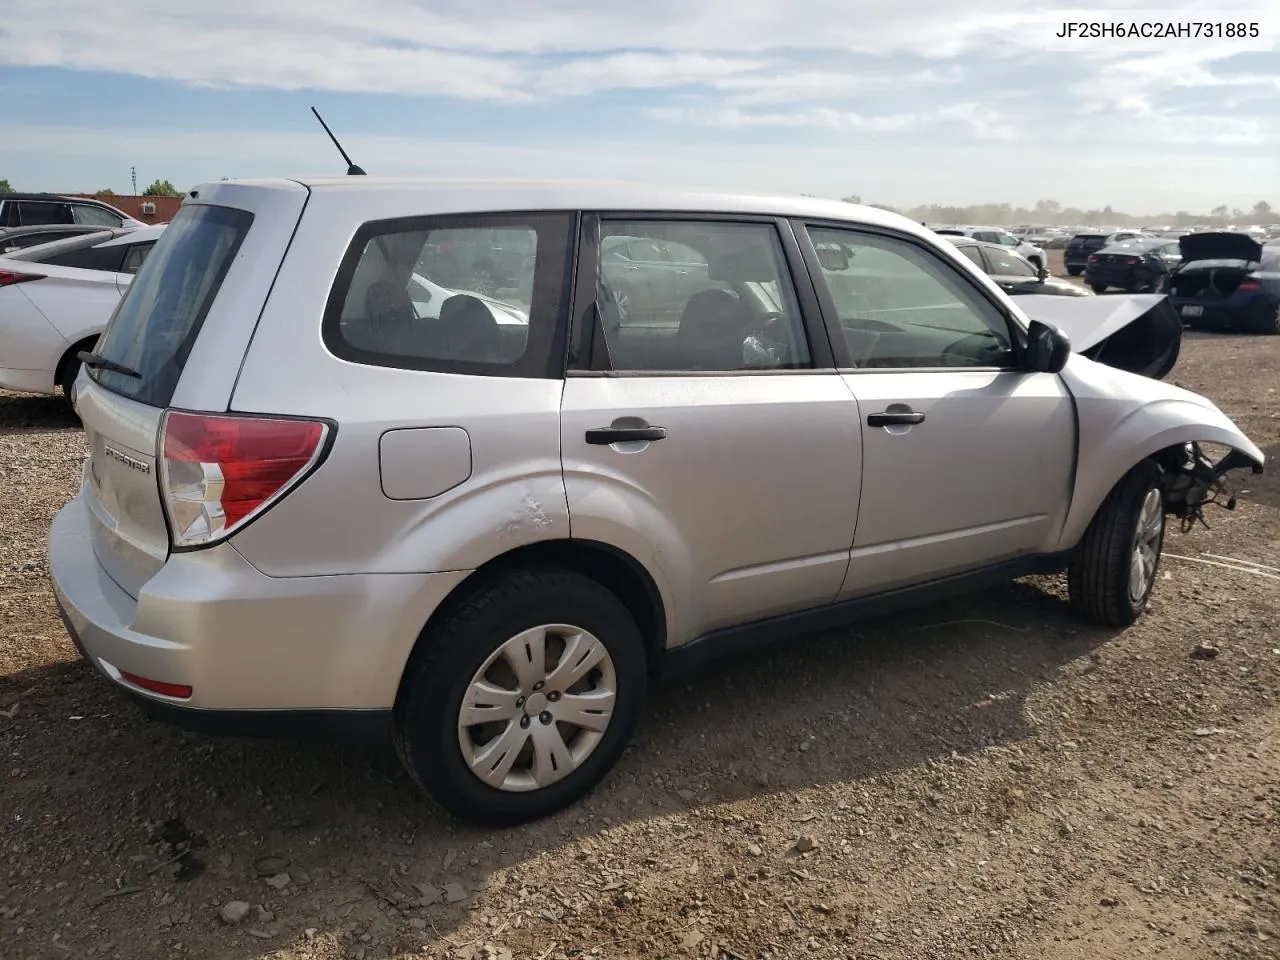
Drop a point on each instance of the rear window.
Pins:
(481, 295)
(88, 258)
(157, 321)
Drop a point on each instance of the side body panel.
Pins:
(985, 477)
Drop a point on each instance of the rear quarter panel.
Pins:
(340, 520)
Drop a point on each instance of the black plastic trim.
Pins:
(691, 656)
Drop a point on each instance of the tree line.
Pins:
(1047, 213)
(159, 188)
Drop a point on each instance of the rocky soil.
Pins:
(985, 778)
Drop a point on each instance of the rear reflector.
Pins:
(218, 472)
(177, 690)
(1250, 285)
(8, 278)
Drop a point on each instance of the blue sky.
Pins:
(899, 101)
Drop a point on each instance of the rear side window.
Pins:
(89, 258)
(36, 212)
(481, 295)
(157, 321)
(97, 216)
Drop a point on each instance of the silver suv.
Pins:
(329, 492)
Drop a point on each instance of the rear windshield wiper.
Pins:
(98, 360)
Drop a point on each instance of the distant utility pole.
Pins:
(133, 172)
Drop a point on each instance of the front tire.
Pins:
(1113, 568)
(524, 698)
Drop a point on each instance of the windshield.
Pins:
(157, 321)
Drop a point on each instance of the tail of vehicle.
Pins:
(168, 468)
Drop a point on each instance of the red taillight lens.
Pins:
(8, 278)
(218, 471)
(1093, 258)
(1250, 285)
(1132, 259)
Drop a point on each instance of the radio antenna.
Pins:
(352, 169)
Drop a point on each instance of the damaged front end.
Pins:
(1193, 481)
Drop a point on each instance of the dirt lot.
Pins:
(984, 778)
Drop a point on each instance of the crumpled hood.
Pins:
(1087, 321)
(1140, 333)
(1219, 246)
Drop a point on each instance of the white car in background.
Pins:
(1001, 236)
(56, 299)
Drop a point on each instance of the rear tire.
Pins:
(1098, 287)
(468, 669)
(1113, 569)
(1075, 271)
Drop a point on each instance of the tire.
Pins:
(1075, 271)
(1098, 287)
(468, 647)
(68, 370)
(1104, 582)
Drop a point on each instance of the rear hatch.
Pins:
(196, 298)
(1084, 244)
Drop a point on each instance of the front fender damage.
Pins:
(1193, 481)
(1123, 419)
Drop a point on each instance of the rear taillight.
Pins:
(1131, 260)
(1250, 285)
(1093, 258)
(218, 472)
(8, 278)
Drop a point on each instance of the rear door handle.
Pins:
(603, 436)
(887, 419)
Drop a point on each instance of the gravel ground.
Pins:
(984, 778)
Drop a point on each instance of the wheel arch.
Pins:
(612, 568)
(1123, 451)
(68, 357)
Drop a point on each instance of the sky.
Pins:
(900, 102)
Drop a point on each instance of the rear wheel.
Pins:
(1113, 568)
(1075, 271)
(525, 697)
(1098, 287)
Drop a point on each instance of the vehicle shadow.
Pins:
(26, 412)
(355, 835)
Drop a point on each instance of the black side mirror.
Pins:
(1047, 348)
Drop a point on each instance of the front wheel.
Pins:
(1113, 568)
(525, 697)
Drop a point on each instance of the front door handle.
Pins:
(895, 418)
(603, 436)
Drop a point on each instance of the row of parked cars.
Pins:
(464, 467)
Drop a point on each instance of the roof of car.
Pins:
(136, 235)
(49, 228)
(493, 195)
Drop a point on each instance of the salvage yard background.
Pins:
(988, 777)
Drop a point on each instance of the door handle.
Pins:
(603, 436)
(896, 418)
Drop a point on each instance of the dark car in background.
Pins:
(37, 209)
(19, 238)
(1135, 266)
(1227, 281)
(1014, 273)
(1078, 249)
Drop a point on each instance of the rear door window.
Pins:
(36, 212)
(485, 295)
(96, 216)
(157, 321)
(89, 258)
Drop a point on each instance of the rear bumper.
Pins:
(1256, 313)
(262, 655)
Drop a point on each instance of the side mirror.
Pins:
(1047, 348)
